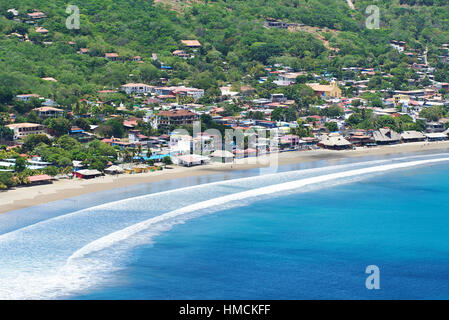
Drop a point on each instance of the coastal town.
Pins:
(134, 128)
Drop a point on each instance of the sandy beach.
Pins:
(23, 197)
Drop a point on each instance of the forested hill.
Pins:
(235, 45)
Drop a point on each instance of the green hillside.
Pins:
(235, 43)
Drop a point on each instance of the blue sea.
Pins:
(308, 231)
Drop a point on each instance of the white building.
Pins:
(136, 88)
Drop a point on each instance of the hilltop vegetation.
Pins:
(234, 42)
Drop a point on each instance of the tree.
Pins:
(51, 171)
(116, 127)
(331, 126)
(166, 160)
(432, 113)
(21, 164)
(60, 126)
(6, 180)
(33, 140)
(6, 134)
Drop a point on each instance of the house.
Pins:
(36, 15)
(27, 97)
(112, 56)
(386, 136)
(286, 79)
(278, 97)
(227, 91)
(14, 12)
(49, 79)
(432, 127)
(177, 117)
(41, 30)
(180, 53)
(189, 92)
(398, 45)
(400, 98)
(49, 112)
(291, 141)
(273, 23)
(194, 44)
(330, 91)
(23, 129)
(83, 51)
(137, 88)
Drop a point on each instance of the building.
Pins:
(41, 30)
(49, 112)
(112, 56)
(386, 136)
(398, 45)
(273, 23)
(400, 98)
(278, 97)
(136, 88)
(335, 141)
(194, 44)
(36, 15)
(188, 92)
(87, 174)
(180, 53)
(432, 127)
(412, 136)
(328, 91)
(286, 79)
(177, 117)
(27, 97)
(22, 130)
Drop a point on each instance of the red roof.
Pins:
(42, 177)
(176, 113)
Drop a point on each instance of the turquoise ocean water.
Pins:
(306, 232)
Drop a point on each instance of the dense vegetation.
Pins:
(234, 42)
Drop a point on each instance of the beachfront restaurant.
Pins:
(114, 170)
(412, 136)
(190, 160)
(436, 136)
(40, 179)
(87, 174)
(335, 141)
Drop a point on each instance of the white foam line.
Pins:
(225, 182)
(109, 240)
(108, 205)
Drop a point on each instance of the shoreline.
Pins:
(28, 196)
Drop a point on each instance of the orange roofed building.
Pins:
(176, 117)
(191, 43)
(23, 129)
